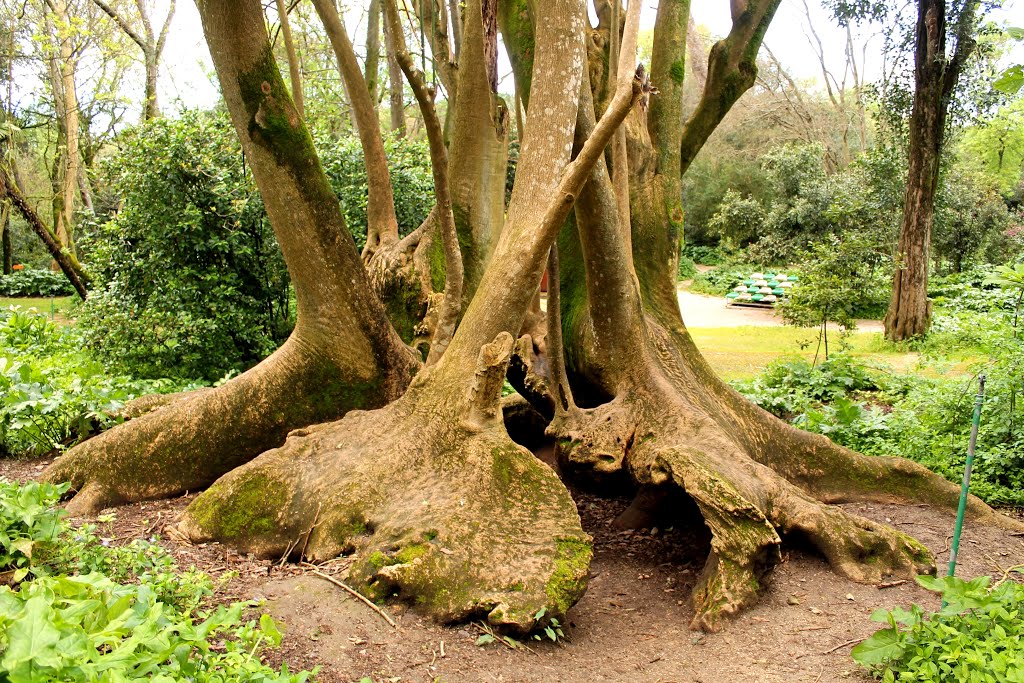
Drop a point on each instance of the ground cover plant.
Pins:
(977, 635)
(35, 282)
(52, 393)
(74, 609)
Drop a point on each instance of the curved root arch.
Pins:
(754, 478)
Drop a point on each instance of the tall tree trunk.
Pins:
(935, 78)
(396, 88)
(62, 77)
(372, 64)
(6, 248)
(381, 222)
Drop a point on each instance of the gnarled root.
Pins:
(446, 513)
(187, 443)
(657, 438)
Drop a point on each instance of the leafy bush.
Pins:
(53, 394)
(687, 268)
(129, 614)
(788, 386)
(35, 282)
(190, 280)
(977, 636)
(704, 255)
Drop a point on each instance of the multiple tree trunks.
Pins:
(332, 446)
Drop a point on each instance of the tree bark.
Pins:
(935, 78)
(62, 77)
(381, 221)
(396, 90)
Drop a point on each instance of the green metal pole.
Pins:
(965, 489)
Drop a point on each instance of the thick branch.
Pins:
(382, 223)
(732, 70)
(452, 305)
(125, 26)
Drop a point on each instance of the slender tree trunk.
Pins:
(63, 257)
(6, 249)
(935, 78)
(294, 67)
(396, 89)
(62, 77)
(382, 223)
(372, 63)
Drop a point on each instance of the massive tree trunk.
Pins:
(343, 353)
(935, 78)
(437, 503)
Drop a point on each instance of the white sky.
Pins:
(187, 71)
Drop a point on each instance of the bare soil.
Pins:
(632, 624)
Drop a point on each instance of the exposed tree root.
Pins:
(186, 442)
(442, 510)
(742, 468)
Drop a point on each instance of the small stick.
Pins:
(842, 645)
(354, 593)
(309, 533)
(812, 628)
(890, 584)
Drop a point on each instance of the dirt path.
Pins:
(700, 310)
(631, 626)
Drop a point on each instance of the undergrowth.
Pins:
(975, 637)
(78, 610)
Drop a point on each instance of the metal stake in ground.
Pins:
(965, 489)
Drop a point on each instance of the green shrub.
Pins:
(190, 279)
(128, 613)
(704, 255)
(35, 282)
(687, 268)
(977, 636)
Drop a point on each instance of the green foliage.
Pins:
(924, 416)
(190, 280)
(976, 636)
(704, 255)
(52, 393)
(411, 180)
(687, 268)
(35, 282)
(127, 613)
(840, 280)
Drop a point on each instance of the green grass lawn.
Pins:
(57, 306)
(742, 352)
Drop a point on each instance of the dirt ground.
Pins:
(632, 624)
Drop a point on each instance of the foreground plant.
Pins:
(975, 636)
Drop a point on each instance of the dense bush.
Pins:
(51, 392)
(35, 282)
(190, 279)
(977, 636)
(126, 614)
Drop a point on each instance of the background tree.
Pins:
(149, 42)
